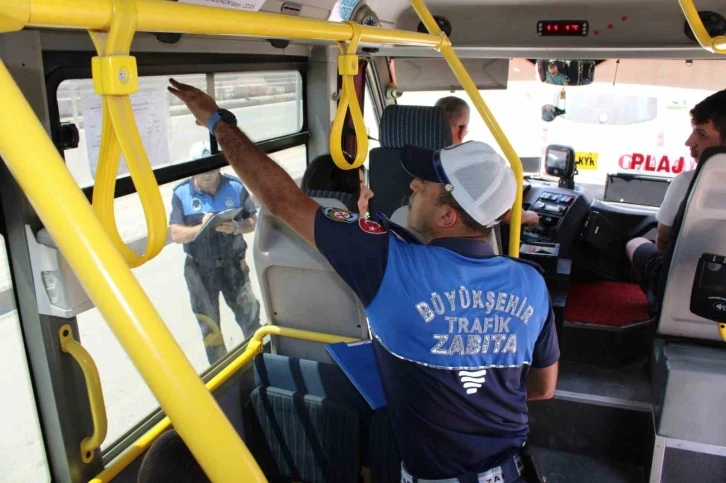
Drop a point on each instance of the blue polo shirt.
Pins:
(455, 330)
(189, 205)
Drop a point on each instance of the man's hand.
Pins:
(227, 227)
(201, 105)
(530, 219)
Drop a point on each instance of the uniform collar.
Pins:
(462, 246)
(466, 247)
(222, 179)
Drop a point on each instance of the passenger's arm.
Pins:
(270, 183)
(541, 383)
(663, 238)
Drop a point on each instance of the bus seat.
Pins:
(300, 289)
(400, 217)
(348, 201)
(290, 416)
(421, 126)
(311, 438)
(699, 227)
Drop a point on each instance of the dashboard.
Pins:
(561, 214)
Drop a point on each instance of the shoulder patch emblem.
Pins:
(229, 202)
(340, 215)
(371, 227)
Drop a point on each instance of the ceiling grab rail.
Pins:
(467, 83)
(717, 45)
(95, 392)
(347, 69)
(115, 76)
(35, 163)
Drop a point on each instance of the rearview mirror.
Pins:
(566, 72)
(550, 112)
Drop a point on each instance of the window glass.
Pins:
(167, 128)
(21, 448)
(638, 127)
(267, 104)
(205, 290)
(371, 120)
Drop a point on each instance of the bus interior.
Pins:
(641, 383)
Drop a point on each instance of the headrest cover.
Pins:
(421, 126)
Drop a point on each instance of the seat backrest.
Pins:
(699, 227)
(425, 127)
(301, 290)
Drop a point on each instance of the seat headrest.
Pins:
(425, 127)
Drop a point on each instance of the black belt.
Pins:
(509, 471)
(215, 262)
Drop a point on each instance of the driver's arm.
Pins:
(663, 238)
(271, 184)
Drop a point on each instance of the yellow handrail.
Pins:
(716, 45)
(347, 68)
(107, 279)
(465, 80)
(253, 348)
(722, 330)
(114, 78)
(95, 393)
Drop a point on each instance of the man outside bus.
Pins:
(462, 338)
(215, 262)
(458, 114)
(708, 122)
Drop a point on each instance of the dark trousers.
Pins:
(205, 282)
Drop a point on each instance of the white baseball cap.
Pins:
(200, 150)
(479, 179)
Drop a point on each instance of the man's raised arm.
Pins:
(275, 189)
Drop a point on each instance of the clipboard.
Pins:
(217, 219)
(358, 362)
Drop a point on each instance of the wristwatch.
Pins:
(220, 115)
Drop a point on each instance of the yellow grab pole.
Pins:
(166, 16)
(253, 348)
(36, 165)
(465, 80)
(716, 45)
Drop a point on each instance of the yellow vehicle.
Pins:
(103, 347)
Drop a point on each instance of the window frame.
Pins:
(61, 66)
(70, 65)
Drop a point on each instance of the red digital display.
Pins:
(562, 28)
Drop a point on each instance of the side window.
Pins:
(167, 128)
(371, 120)
(203, 283)
(21, 449)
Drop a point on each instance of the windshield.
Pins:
(633, 127)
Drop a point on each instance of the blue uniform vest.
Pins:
(443, 310)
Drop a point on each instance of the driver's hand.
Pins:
(201, 105)
(530, 219)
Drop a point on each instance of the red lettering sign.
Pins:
(654, 164)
